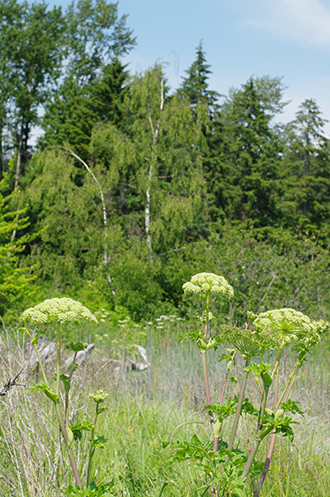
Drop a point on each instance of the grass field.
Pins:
(143, 411)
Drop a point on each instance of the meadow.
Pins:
(147, 413)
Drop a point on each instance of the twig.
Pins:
(11, 383)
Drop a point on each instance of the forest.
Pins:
(132, 185)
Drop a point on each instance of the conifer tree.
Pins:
(195, 86)
(307, 172)
(74, 110)
(251, 151)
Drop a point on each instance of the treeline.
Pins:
(133, 187)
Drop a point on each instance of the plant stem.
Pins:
(38, 357)
(91, 449)
(261, 433)
(58, 362)
(285, 394)
(67, 394)
(239, 407)
(262, 407)
(290, 381)
(257, 441)
(71, 455)
(207, 387)
(58, 411)
(267, 464)
(226, 378)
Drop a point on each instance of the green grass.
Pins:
(143, 409)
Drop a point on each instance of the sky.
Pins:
(241, 38)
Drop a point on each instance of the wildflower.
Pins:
(99, 396)
(204, 283)
(286, 324)
(57, 310)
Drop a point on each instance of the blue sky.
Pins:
(241, 38)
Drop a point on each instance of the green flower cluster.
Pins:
(272, 327)
(243, 340)
(57, 310)
(99, 396)
(204, 283)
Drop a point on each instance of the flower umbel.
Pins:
(288, 324)
(99, 396)
(204, 283)
(58, 311)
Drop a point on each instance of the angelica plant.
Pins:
(228, 468)
(205, 285)
(58, 311)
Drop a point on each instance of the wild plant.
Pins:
(231, 470)
(59, 311)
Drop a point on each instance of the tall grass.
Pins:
(143, 410)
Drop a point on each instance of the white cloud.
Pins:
(307, 21)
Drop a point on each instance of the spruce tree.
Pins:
(307, 171)
(195, 86)
(74, 110)
(251, 151)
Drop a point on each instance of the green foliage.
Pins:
(102, 490)
(31, 41)
(44, 387)
(225, 469)
(75, 110)
(14, 279)
(306, 173)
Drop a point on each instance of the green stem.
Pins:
(91, 449)
(285, 395)
(67, 394)
(71, 455)
(262, 432)
(58, 362)
(262, 407)
(239, 407)
(261, 435)
(207, 387)
(58, 411)
(278, 358)
(38, 357)
(289, 383)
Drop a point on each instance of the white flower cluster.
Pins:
(57, 310)
(203, 283)
(292, 324)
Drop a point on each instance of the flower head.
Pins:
(99, 396)
(288, 325)
(58, 310)
(204, 283)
